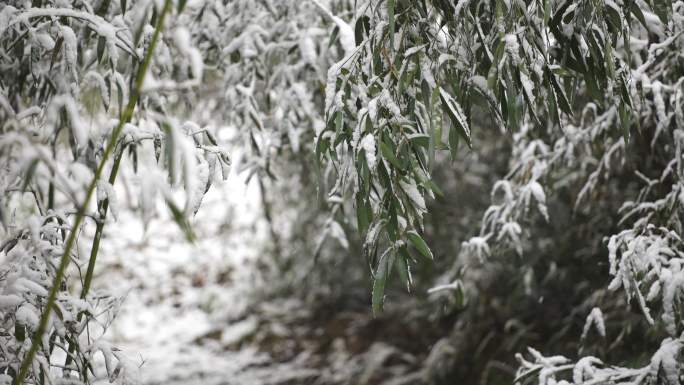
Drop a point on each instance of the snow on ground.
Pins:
(174, 291)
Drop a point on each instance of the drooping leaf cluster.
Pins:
(85, 87)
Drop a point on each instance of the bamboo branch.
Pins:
(71, 240)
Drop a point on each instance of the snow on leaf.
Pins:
(538, 192)
(584, 369)
(70, 48)
(511, 231)
(594, 318)
(337, 232)
(456, 115)
(380, 280)
(418, 242)
(368, 145)
(28, 286)
(666, 360)
(28, 316)
(182, 40)
(9, 301)
(415, 196)
(106, 191)
(346, 32)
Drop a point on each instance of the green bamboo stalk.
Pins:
(95, 247)
(71, 240)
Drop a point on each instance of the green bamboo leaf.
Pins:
(453, 143)
(555, 21)
(393, 222)
(596, 61)
(379, 282)
(552, 106)
(55, 51)
(624, 120)
(101, 41)
(333, 36)
(503, 102)
(663, 8)
(592, 85)
(624, 91)
(402, 268)
(460, 297)
(390, 12)
(30, 172)
(561, 98)
(361, 29)
(528, 95)
(512, 107)
(418, 242)
(420, 140)
(181, 221)
(103, 8)
(610, 61)
(547, 11)
(19, 332)
(388, 154)
(425, 93)
(636, 10)
(456, 115)
(613, 18)
(363, 214)
(482, 88)
(433, 186)
(383, 176)
(181, 5)
(338, 122)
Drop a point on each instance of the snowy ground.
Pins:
(176, 292)
(189, 314)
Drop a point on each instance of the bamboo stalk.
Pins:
(71, 240)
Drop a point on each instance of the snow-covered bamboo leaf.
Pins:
(561, 98)
(458, 120)
(380, 280)
(420, 244)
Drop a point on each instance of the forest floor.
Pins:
(189, 313)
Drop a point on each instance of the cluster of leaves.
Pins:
(586, 89)
(268, 71)
(85, 87)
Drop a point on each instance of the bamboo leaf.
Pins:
(364, 215)
(30, 172)
(379, 282)
(624, 120)
(636, 10)
(390, 13)
(361, 29)
(333, 36)
(624, 91)
(101, 41)
(388, 154)
(456, 115)
(561, 98)
(402, 268)
(418, 242)
(19, 332)
(181, 221)
(453, 143)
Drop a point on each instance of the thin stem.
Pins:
(95, 247)
(71, 240)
